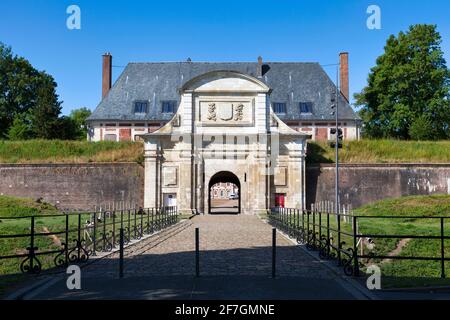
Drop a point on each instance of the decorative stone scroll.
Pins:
(239, 112)
(212, 112)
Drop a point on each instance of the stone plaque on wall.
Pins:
(169, 175)
(280, 179)
(226, 112)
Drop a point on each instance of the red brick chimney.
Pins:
(259, 67)
(345, 90)
(106, 74)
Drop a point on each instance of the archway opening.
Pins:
(224, 193)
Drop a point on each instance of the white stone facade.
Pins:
(224, 131)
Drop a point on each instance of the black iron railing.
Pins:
(339, 236)
(53, 241)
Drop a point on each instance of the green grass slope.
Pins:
(381, 151)
(19, 207)
(409, 272)
(57, 151)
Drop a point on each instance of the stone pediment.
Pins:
(225, 81)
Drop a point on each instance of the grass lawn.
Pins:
(57, 151)
(381, 151)
(23, 209)
(15, 220)
(372, 220)
(409, 272)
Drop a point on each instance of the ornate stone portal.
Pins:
(225, 131)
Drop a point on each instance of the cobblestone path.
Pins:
(231, 245)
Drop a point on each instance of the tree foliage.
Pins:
(29, 105)
(79, 117)
(20, 129)
(409, 88)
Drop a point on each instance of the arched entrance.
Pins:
(224, 193)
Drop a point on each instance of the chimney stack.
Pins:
(259, 67)
(345, 91)
(106, 74)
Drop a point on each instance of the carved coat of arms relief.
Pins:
(212, 112)
(239, 112)
(225, 112)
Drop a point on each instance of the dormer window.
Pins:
(169, 106)
(306, 107)
(279, 107)
(140, 107)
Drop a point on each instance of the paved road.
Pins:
(235, 263)
(224, 206)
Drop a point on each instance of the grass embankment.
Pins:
(11, 207)
(364, 151)
(414, 217)
(408, 272)
(15, 221)
(381, 151)
(57, 151)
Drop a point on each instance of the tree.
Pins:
(45, 112)
(409, 86)
(66, 128)
(422, 129)
(20, 129)
(79, 116)
(25, 90)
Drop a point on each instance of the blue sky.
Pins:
(231, 30)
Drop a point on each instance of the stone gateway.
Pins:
(225, 132)
(230, 123)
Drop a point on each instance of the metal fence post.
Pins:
(314, 227)
(328, 232)
(303, 226)
(339, 244)
(153, 221)
(291, 221)
(66, 245)
(135, 229)
(355, 249)
(197, 252)
(148, 221)
(141, 211)
(307, 227)
(121, 241)
(274, 251)
(442, 250)
(320, 223)
(114, 228)
(32, 248)
(129, 224)
(94, 237)
(79, 238)
(104, 231)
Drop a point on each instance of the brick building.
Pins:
(146, 96)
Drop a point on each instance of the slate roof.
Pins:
(291, 83)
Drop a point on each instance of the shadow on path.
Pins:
(203, 288)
